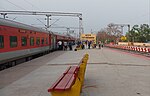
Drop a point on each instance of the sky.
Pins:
(97, 14)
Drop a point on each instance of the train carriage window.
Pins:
(38, 41)
(24, 41)
(42, 41)
(13, 41)
(32, 41)
(1, 41)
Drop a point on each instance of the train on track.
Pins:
(20, 42)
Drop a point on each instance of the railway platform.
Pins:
(109, 72)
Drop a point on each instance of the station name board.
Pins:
(88, 37)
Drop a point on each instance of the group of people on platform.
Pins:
(90, 44)
(65, 45)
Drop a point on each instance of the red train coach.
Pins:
(18, 41)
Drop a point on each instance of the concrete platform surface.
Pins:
(109, 73)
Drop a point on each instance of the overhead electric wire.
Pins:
(31, 4)
(35, 8)
(3, 8)
(25, 9)
(55, 21)
(40, 21)
(16, 5)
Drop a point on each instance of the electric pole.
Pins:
(48, 15)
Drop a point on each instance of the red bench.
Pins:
(65, 81)
(72, 70)
(71, 81)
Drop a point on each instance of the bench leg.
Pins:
(81, 73)
(59, 93)
(75, 90)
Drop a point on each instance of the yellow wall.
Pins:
(89, 37)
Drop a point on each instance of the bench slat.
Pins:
(73, 70)
(63, 83)
(55, 84)
(71, 82)
(67, 70)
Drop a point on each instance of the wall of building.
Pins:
(135, 44)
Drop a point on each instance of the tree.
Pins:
(105, 36)
(139, 34)
(144, 33)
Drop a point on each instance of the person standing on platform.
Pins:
(59, 45)
(65, 46)
(102, 44)
(82, 45)
(99, 44)
(70, 45)
(89, 44)
(86, 43)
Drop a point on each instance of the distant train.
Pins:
(20, 42)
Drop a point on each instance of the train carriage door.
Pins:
(54, 41)
(52, 44)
